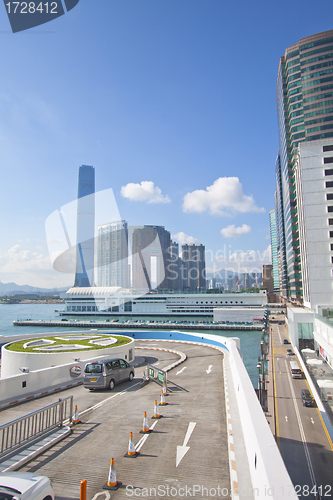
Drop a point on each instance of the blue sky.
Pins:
(172, 102)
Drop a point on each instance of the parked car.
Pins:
(25, 486)
(107, 373)
(307, 399)
(290, 352)
(286, 341)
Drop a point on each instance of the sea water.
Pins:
(249, 340)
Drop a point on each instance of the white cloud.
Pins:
(146, 191)
(225, 197)
(235, 232)
(26, 267)
(183, 238)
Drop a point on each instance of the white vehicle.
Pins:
(25, 486)
(296, 372)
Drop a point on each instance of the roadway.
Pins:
(304, 444)
(188, 446)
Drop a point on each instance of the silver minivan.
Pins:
(105, 374)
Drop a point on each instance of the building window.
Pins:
(329, 184)
(329, 171)
(331, 246)
(330, 222)
(329, 196)
(328, 160)
(331, 234)
(331, 260)
(327, 148)
(330, 209)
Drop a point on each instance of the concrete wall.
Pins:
(38, 382)
(12, 361)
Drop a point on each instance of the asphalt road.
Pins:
(303, 442)
(187, 449)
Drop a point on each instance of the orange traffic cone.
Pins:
(131, 448)
(76, 419)
(145, 426)
(162, 403)
(112, 483)
(156, 413)
(165, 393)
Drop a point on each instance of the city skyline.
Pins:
(174, 106)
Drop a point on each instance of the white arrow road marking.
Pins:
(180, 371)
(105, 493)
(182, 450)
(286, 418)
(312, 421)
(209, 369)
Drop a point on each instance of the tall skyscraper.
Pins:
(305, 113)
(85, 228)
(150, 258)
(112, 254)
(193, 267)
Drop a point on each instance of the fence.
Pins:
(22, 431)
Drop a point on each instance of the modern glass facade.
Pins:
(85, 232)
(112, 254)
(305, 113)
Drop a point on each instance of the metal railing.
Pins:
(22, 431)
(157, 375)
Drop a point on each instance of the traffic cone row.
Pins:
(112, 483)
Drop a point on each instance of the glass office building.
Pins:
(85, 231)
(305, 113)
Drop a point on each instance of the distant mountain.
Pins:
(11, 288)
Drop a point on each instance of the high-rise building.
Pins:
(85, 232)
(112, 254)
(150, 258)
(305, 113)
(274, 248)
(193, 273)
(314, 194)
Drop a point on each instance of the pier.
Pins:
(135, 325)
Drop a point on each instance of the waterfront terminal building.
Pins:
(117, 301)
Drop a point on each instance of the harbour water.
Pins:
(249, 340)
